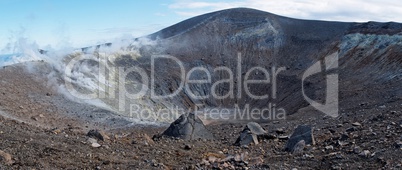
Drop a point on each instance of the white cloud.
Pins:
(340, 10)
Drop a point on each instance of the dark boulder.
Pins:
(188, 127)
(298, 148)
(250, 134)
(96, 134)
(302, 132)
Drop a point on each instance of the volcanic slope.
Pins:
(368, 63)
(42, 127)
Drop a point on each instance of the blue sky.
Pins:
(80, 22)
(86, 22)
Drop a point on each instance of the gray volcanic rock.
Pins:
(298, 148)
(250, 134)
(255, 128)
(95, 134)
(302, 132)
(398, 145)
(189, 127)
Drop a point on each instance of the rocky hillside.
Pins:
(78, 110)
(368, 61)
(227, 47)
